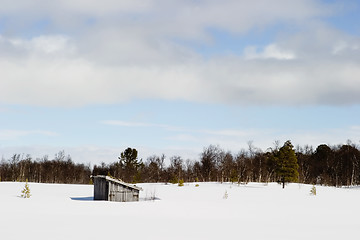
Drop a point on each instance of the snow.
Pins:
(251, 211)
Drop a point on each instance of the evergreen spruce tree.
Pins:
(26, 191)
(286, 164)
(130, 164)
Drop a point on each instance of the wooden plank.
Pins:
(106, 188)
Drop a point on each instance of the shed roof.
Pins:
(111, 179)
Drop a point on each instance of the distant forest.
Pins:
(326, 165)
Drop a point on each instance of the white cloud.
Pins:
(44, 44)
(126, 124)
(229, 139)
(141, 124)
(343, 46)
(93, 154)
(118, 51)
(197, 138)
(79, 154)
(8, 134)
(271, 51)
(184, 138)
(135, 124)
(182, 18)
(51, 44)
(185, 135)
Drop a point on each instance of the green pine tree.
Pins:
(130, 164)
(286, 164)
(26, 191)
(181, 183)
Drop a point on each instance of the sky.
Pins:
(172, 77)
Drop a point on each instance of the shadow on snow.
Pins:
(82, 198)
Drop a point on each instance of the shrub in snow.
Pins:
(313, 191)
(26, 191)
(151, 196)
(174, 180)
(197, 185)
(226, 195)
(181, 183)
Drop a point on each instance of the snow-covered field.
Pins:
(252, 211)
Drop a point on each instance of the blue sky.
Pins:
(173, 77)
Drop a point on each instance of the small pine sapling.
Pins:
(313, 191)
(26, 191)
(174, 180)
(181, 183)
(197, 185)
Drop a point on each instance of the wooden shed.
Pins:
(111, 189)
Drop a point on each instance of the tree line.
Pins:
(60, 169)
(326, 165)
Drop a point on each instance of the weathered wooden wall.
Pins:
(119, 193)
(101, 189)
(105, 189)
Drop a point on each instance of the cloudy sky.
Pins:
(172, 77)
